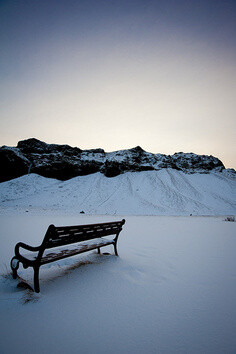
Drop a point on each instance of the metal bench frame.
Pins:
(64, 235)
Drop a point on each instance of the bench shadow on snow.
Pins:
(77, 267)
(51, 275)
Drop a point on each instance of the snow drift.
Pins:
(163, 192)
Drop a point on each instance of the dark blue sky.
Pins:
(27, 25)
(168, 63)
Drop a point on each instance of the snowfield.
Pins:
(171, 290)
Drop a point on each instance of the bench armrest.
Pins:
(27, 247)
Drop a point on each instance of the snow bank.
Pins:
(164, 192)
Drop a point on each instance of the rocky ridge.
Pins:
(64, 162)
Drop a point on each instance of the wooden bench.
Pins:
(65, 241)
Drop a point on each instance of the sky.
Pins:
(117, 74)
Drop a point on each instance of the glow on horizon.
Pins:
(128, 80)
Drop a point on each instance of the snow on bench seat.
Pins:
(68, 250)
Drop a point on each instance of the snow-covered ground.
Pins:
(164, 192)
(172, 290)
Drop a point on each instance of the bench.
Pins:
(65, 241)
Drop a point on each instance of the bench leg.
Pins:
(36, 280)
(99, 250)
(115, 249)
(14, 267)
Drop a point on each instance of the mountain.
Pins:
(64, 162)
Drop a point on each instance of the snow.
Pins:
(164, 192)
(171, 290)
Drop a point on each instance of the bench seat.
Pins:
(56, 253)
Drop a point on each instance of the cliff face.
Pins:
(64, 162)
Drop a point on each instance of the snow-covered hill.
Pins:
(163, 192)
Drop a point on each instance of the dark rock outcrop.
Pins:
(12, 164)
(64, 162)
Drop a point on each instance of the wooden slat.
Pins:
(79, 227)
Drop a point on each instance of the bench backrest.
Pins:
(63, 235)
